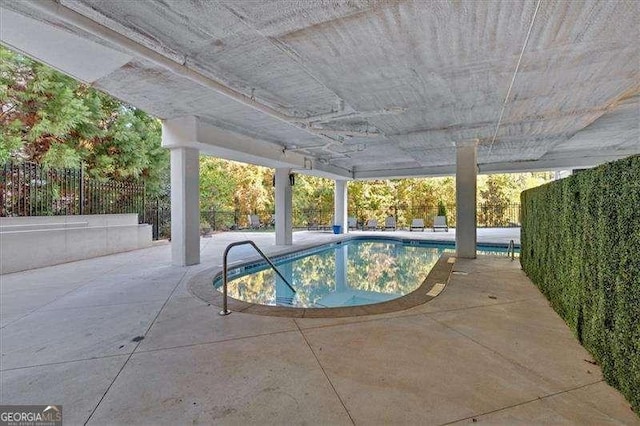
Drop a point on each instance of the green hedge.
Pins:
(580, 245)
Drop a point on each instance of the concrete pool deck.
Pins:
(120, 340)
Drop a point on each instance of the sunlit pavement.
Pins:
(120, 340)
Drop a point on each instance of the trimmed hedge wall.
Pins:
(580, 245)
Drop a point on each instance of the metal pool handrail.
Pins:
(224, 310)
(511, 249)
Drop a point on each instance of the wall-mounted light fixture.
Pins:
(292, 179)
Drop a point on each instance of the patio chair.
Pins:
(372, 225)
(390, 223)
(417, 225)
(352, 223)
(254, 221)
(440, 222)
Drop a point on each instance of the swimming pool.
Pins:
(356, 272)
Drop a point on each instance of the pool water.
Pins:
(351, 273)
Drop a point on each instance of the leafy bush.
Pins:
(581, 246)
(442, 209)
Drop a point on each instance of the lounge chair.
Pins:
(440, 222)
(372, 224)
(352, 223)
(390, 223)
(254, 221)
(417, 225)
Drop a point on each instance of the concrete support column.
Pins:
(466, 183)
(340, 205)
(185, 206)
(284, 208)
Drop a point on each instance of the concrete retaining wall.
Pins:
(37, 241)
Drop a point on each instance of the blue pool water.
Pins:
(351, 273)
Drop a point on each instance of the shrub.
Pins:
(442, 209)
(580, 245)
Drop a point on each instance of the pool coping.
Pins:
(201, 286)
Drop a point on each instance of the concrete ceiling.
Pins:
(364, 89)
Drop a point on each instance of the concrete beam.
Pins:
(435, 171)
(555, 161)
(70, 53)
(549, 162)
(222, 143)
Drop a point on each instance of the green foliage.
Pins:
(62, 156)
(237, 187)
(241, 188)
(400, 198)
(217, 186)
(497, 192)
(49, 118)
(581, 247)
(442, 209)
(313, 200)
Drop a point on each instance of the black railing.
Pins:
(28, 189)
(157, 213)
(313, 218)
(489, 215)
(498, 215)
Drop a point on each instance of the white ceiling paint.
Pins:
(396, 83)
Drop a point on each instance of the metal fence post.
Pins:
(144, 204)
(81, 189)
(157, 224)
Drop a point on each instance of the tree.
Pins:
(217, 185)
(49, 118)
(313, 200)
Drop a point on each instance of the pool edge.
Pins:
(200, 286)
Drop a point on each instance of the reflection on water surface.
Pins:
(357, 272)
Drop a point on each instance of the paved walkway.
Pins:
(119, 340)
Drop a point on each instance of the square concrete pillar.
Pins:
(340, 205)
(284, 208)
(466, 183)
(185, 206)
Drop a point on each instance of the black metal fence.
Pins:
(28, 189)
(500, 215)
(489, 215)
(157, 213)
